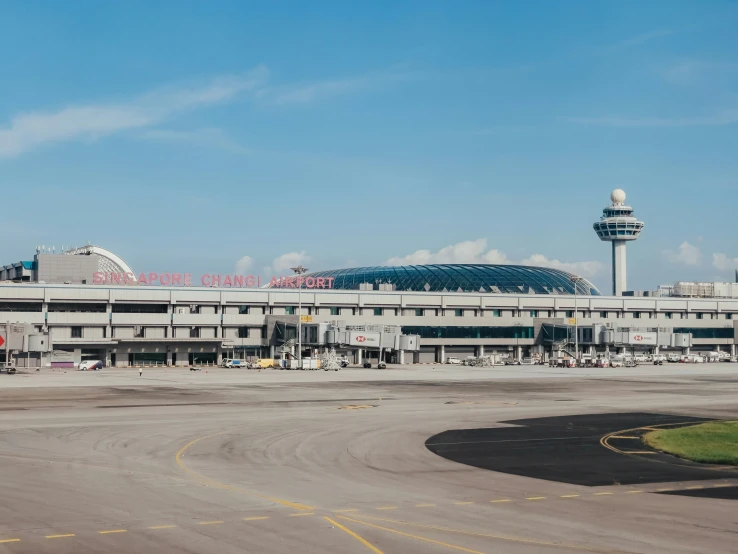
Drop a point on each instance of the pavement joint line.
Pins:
(162, 527)
(535, 498)
(60, 536)
(111, 531)
(217, 522)
(255, 518)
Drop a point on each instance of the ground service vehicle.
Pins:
(452, 360)
(90, 365)
(235, 363)
(659, 359)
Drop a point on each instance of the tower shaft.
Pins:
(619, 269)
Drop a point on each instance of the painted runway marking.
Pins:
(569, 495)
(60, 536)
(255, 518)
(300, 514)
(10, 540)
(425, 505)
(387, 508)
(211, 522)
(632, 492)
(489, 536)
(463, 503)
(694, 488)
(416, 537)
(536, 498)
(664, 490)
(603, 493)
(500, 500)
(162, 527)
(111, 531)
(359, 538)
(345, 511)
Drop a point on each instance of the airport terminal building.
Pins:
(456, 310)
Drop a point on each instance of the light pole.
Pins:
(299, 270)
(576, 281)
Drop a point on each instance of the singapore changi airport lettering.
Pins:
(210, 280)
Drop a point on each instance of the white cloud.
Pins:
(282, 264)
(724, 117)
(723, 262)
(688, 254)
(687, 71)
(207, 137)
(244, 264)
(310, 92)
(643, 38)
(31, 130)
(475, 252)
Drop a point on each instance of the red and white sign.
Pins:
(646, 337)
(364, 339)
(2, 341)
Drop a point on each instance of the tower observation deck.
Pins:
(618, 225)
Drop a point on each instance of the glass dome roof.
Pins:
(484, 278)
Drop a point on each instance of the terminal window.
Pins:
(290, 310)
(458, 312)
(335, 311)
(603, 314)
(378, 311)
(243, 332)
(637, 315)
(700, 315)
(668, 315)
(76, 332)
(419, 312)
(20, 307)
(569, 313)
(534, 313)
(496, 313)
(243, 310)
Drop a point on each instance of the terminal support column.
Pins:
(442, 354)
(359, 359)
(480, 351)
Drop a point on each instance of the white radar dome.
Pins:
(617, 196)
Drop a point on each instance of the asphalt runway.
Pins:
(289, 462)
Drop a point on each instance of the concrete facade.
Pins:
(176, 326)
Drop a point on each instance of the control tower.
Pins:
(618, 225)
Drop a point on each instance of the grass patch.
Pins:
(709, 443)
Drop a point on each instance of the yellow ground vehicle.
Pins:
(264, 363)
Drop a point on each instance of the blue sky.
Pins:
(189, 136)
